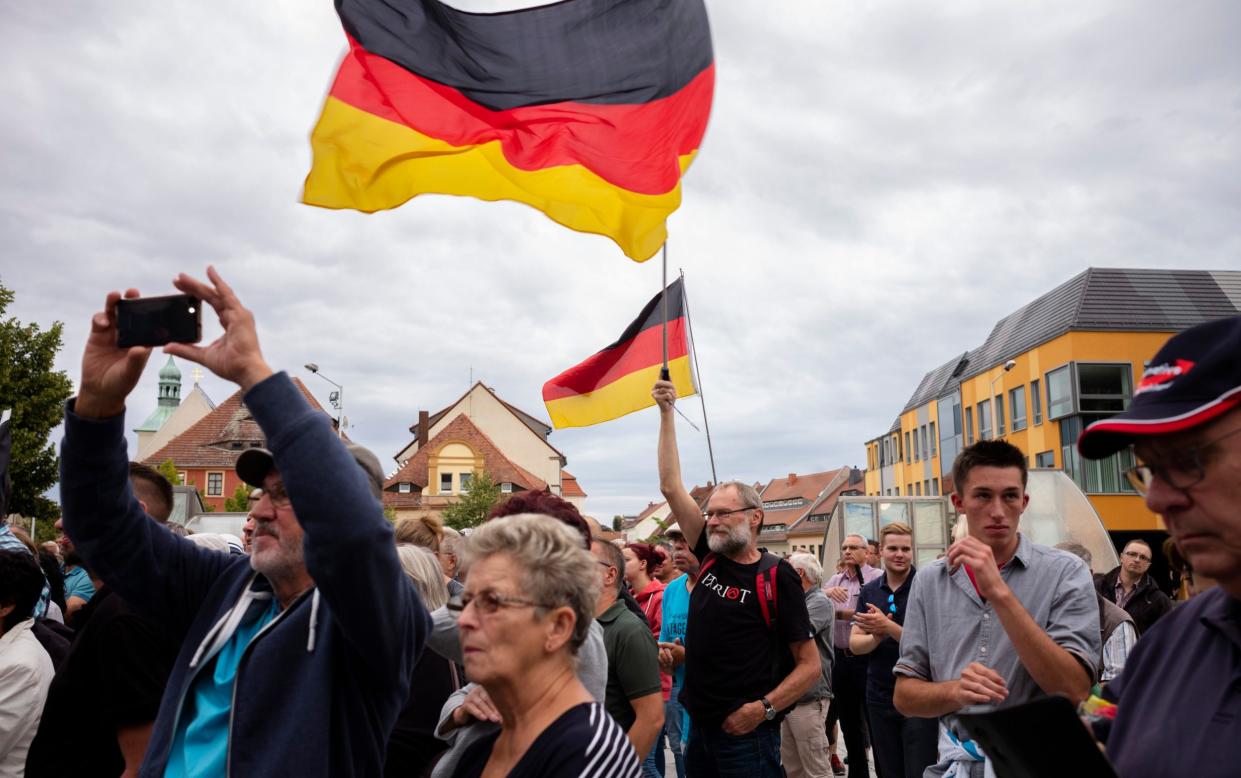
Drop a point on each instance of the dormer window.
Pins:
(404, 487)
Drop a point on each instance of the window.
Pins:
(999, 415)
(506, 488)
(969, 426)
(445, 483)
(898, 491)
(926, 450)
(404, 487)
(1103, 388)
(1045, 459)
(907, 452)
(926, 487)
(918, 489)
(984, 420)
(1059, 393)
(215, 484)
(465, 481)
(909, 489)
(182, 476)
(1036, 402)
(1017, 406)
(932, 438)
(917, 448)
(1099, 476)
(935, 486)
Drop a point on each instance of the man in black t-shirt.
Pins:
(748, 648)
(105, 695)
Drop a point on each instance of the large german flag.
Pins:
(589, 110)
(618, 379)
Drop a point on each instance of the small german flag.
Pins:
(618, 380)
(588, 110)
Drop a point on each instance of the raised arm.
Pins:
(684, 509)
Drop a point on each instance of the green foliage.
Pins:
(208, 507)
(480, 497)
(36, 393)
(240, 501)
(390, 514)
(168, 469)
(617, 521)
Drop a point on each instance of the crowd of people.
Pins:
(327, 641)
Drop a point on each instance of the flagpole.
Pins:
(693, 350)
(663, 373)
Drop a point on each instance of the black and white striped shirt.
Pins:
(583, 743)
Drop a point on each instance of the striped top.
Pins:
(583, 743)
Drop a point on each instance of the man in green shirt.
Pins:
(633, 692)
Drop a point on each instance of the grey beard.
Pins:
(732, 543)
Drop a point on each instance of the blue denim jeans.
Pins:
(653, 765)
(674, 718)
(710, 753)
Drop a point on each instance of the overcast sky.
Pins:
(880, 183)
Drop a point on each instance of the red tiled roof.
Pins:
(793, 486)
(208, 443)
(538, 427)
(651, 508)
(569, 486)
(495, 464)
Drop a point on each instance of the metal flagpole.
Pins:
(693, 350)
(663, 373)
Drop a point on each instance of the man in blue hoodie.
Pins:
(295, 660)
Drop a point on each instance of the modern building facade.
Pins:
(1043, 373)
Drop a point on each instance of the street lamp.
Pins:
(995, 429)
(337, 398)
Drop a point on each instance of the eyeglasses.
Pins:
(488, 602)
(278, 497)
(892, 604)
(852, 548)
(1184, 470)
(718, 514)
(1136, 555)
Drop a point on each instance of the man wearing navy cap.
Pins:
(1179, 696)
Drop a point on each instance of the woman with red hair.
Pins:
(640, 563)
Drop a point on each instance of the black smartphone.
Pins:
(154, 321)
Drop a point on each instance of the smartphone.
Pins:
(154, 321)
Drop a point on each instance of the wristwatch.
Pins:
(769, 712)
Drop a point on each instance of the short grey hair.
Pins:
(745, 492)
(451, 540)
(421, 567)
(1077, 549)
(557, 570)
(616, 558)
(808, 564)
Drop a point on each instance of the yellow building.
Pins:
(1046, 371)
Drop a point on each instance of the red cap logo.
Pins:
(1159, 377)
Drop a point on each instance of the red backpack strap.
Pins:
(706, 565)
(765, 583)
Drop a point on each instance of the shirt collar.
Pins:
(1025, 550)
(1223, 614)
(613, 611)
(883, 580)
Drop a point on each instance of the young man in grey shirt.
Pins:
(1000, 620)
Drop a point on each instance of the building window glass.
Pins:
(404, 488)
(907, 452)
(465, 480)
(215, 484)
(182, 476)
(898, 491)
(932, 435)
(935, 486)
(1103, 388)
(1017, 406)
(1036, 402)
(917, 448)
(1059, 393)
(1045, 459)
(1098, 476)
(506, 488)
(969, 426)
(999, 415)
(445, 483)
(984, 420)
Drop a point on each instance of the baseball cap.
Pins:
(255, 463)
(1194, 378)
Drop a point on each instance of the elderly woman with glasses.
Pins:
(528, 603)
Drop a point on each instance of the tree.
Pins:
(240, 501)
(617, 522)
(36, 393)
(168, 469)
(481, 495)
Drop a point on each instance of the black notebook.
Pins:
(1037, 739)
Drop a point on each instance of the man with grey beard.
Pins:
(749, 655)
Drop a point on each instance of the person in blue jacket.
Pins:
(295, 660)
